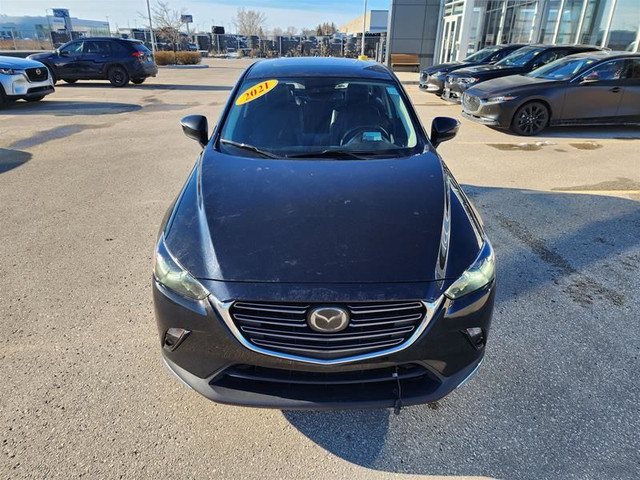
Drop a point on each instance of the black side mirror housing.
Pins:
(196, 127)
(443, 129)
(590, 78)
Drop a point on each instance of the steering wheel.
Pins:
(352, 134)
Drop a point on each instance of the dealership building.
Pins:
(447, 30)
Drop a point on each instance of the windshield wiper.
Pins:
(330, 153)
(249, 148)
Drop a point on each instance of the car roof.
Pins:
(318, 66)
(130, 40)
(604, 54)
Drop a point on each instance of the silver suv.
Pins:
(22, 78)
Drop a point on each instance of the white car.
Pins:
(22, 78)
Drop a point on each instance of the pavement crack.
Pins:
(581, 289)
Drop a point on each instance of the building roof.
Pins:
(318, 66)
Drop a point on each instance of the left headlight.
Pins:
(500, 99)
(173, 276)
(10, 71)
(478, 275)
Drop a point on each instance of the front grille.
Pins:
(470, 103)
(283, 327)
(37, 74)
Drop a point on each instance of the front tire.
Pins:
(52, 73)
(70, 81)
(138, 80)
(34, 99)
(530, 119)
(118, 77)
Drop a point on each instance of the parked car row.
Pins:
(102, 58)
(537, 86)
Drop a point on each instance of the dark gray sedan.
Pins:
(588, 88)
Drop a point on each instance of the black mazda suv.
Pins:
(321, 254)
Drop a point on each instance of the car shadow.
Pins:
(61, 108)
(559, 369)
(10, 159)
(615, 132)
(148, 86)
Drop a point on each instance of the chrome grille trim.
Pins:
(380, 348)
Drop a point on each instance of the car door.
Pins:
(629, 108)
(595, 95)
(95, 55)
(67, 63)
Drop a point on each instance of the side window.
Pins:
(548, 57)
(119, 48)
(100, 48)
(500, 55)
(74, 48)
(609, 71)
(633, 71)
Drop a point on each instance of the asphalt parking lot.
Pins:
(85, 178)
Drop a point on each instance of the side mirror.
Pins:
(63, 53)
(590, 78)
(443, 129)
(196, 127)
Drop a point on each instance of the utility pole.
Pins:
(153, 38)
(364, 27)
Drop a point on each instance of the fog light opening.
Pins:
(476, 337)
(174, 337)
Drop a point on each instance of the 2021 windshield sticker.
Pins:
(256, 91)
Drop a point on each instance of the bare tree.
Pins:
(249, 22)
(168, 21)
(291, 31)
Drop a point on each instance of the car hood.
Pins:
(315, 221)
(443, 67)
(509, 84)
(13, 62)
(43, 55)
(480, 70)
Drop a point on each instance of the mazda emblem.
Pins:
(38, 71)
(328, 319)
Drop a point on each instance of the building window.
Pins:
(595, 21)
(569, 22)
(624, 26)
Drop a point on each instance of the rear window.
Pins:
(140, 47)
(291, 117)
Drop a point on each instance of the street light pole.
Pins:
(153, 38)
(364, 26)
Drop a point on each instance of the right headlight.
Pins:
(168, 272)
(478, 275)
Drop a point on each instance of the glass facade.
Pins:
(469, 25)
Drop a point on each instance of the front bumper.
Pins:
(214, 363)
(497, 114)
(453, 91)
(432, 84)
(19, 86)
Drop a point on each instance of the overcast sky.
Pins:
(280, 13)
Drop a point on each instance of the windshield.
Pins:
(482, 55)
(520, 57)
(562, 69)
(311, 116)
